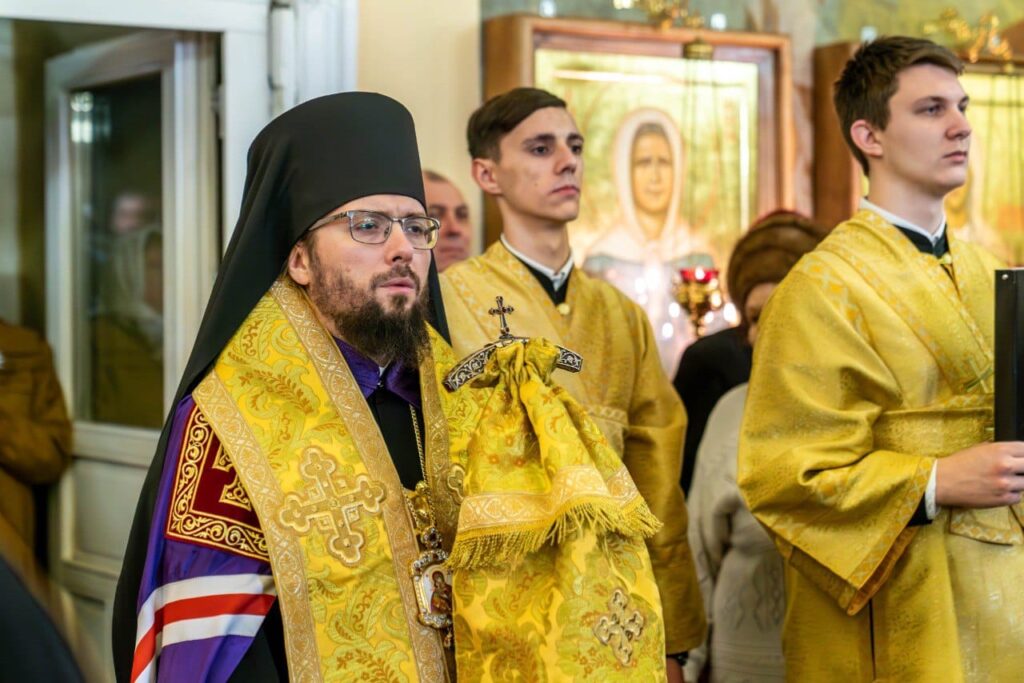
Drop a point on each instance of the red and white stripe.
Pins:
(194, 609)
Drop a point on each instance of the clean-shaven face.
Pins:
(927, 139)
(541, 167)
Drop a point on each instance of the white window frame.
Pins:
(242, 24)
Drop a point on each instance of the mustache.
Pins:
(397, 271)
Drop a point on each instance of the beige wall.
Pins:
(426, 54)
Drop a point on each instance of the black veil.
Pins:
(303, 164)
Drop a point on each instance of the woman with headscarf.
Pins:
(649, 242)
(128, 332)
(739, 569)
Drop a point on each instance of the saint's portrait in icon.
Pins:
(441, 593)
(646, 244)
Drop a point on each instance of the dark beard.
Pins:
(390, 336)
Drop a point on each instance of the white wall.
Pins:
(426, 54)
(9, 249)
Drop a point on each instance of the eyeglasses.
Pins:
(372, 227)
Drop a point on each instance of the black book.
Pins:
(1009, 370)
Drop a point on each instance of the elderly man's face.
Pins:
(446, 204)
(368, 294)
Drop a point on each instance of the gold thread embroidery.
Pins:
(456, 481)
(332, 502)
(185, 522)
(483, 511)
(620, 627)
(348, 400)
(286, 556)
(439, 466)
(233, 493)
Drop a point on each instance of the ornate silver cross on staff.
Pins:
(473, 364)
(501, 311)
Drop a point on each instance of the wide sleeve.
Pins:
(837, 507)
(206, 585)
(37, 447)
(652, 453)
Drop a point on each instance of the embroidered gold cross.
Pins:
(233, 493)
(501, 311)
(333, 502)
(455, 481)
(620, 627)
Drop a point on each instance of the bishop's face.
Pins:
(371, 295)
(541, 167)
(926, 141)
(394, 273)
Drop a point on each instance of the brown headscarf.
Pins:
(770, 248)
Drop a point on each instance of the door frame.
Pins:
(244, 100)
(108, 456)
(189, 189)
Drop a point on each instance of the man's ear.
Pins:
(484, 174)
(866, 138)
(299, 262)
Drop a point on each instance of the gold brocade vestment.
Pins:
(318, 474)
(554, 581)
(871, 362)
(622, 388)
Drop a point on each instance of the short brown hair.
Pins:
(498, 116)
(870, 78)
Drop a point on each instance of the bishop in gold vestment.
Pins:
(298, 517)
(621, 386)
(873, 360)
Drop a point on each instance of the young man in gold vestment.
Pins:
(865, 447)
(527, 154)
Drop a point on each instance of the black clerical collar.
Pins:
(924, 245)
(546, 279)
(557, 296)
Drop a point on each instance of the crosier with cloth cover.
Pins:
(552, 577)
